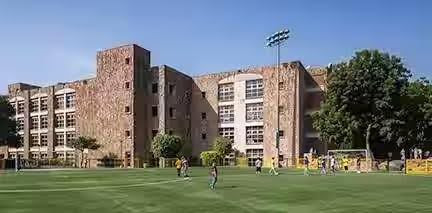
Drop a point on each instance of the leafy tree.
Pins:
(209, 157)
(222, 146)
(82, 143)
(360, 100)
(167, 146)
(8, 126)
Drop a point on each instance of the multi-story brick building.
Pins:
(129, 102)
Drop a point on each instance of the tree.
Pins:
(82, 143)
(209, 157)
(361, 99)
(8, 126)
(167, 146)
(222, 146)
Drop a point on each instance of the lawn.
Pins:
(238, 190)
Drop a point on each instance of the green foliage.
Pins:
(222, 146)
(210, 157)
(82, 143)
(361, 99)
(167, 146)
(8, 126)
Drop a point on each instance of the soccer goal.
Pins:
(358, 159)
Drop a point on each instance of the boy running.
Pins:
(323, 166)
(332, 165)
(185, 167)
(178, 165)
(258, 165)
(273, 167)
(213, 176)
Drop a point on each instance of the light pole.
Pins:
(276, 40)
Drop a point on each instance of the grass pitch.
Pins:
(238, 190)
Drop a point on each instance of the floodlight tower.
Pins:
(276, 40)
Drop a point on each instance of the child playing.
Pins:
(213, 176)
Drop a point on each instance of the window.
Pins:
(44, 122)
(44, 139)
(227, 133)
(254, 112)
(34, 122)
(59, 155)
(226, 92)
(281, 133)
(203, 115)
(21, 140)
(59, 101)
(127, 133)
(43, 155)
(154, 111)
(253, 154)
(127, 109)
(70, 136)
(34, 140)
(34, 105)
(281, 85)
(155, 88)
(171, 89)
(44, 104)
(20, 124)
(70, 156)
(203, 136)
(127, 60)
(13, 105)
(281, 108)
(59, 139)
(226, 114)
(154, 132)
(254, 135)
(70, 119)
(172, 113)
(203, 94)
(60, 121)
(170, 132)
(20, 107)
(254, 89)
(34, 155)
(127, 85)
(70, 100)
(12, 155)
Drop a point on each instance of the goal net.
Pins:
(358, 159)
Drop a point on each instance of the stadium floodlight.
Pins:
(276, 40)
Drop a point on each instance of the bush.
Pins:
(222, 146)
(209, 157)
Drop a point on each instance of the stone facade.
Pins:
(128, 102)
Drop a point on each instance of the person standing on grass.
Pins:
(273, 167)
(333, 165)
(345, 164)
(185, 167)
(306, 166)
(213, 176)
(178, 165)
(359, 164)
(258, 165)
(323, 166)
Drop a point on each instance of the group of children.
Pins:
(322, 164)
(182, 166)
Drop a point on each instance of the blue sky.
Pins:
(45, 42)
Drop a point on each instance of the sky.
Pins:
(45, 42)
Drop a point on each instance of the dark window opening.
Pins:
(172, 112)
(170, 132)
(127, 60)
(281, 133)
(127, 85)
(127, 109)
(127, 133)
(203, 136)
(203, 115)
(154, 111)
(281, 85)
(203, 94)
(171, 89)
(154, 133)
(155, 87)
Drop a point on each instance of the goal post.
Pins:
(353, 155)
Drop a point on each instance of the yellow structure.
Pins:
(419, 167)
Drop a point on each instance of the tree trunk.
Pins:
(368, 136)
(82, 159)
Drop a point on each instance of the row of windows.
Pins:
(65, 101)
(254, 134)
(253, 154)
(59, 139)
(254, 112)
(254, 89)
(44, 155)
(41, 104)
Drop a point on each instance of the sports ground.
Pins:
(238, 190)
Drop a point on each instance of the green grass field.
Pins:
(238, 190)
